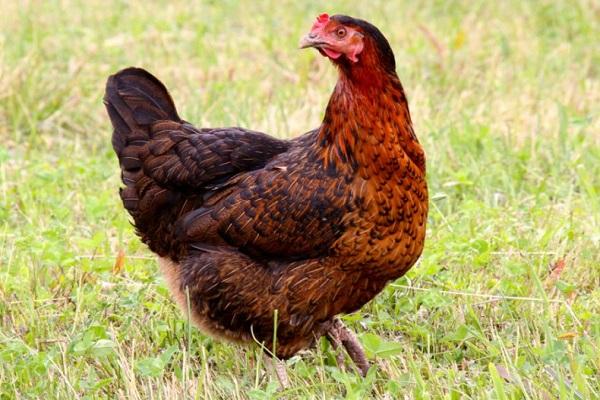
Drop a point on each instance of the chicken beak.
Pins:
(311, 40)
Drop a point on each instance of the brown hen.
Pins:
(256, 231)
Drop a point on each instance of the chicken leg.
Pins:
(339, 335)
(279, 367)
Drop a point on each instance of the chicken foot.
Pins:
(339, 335)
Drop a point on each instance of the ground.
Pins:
(505, 97)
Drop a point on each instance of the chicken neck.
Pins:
(367, 124)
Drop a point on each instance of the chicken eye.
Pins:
(341, 32)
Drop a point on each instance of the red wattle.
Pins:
(331, 53)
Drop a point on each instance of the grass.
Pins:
(505, 97)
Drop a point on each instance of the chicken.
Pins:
(261, 233)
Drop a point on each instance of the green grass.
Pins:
(506, 100)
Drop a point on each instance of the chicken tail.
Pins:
(134, 100)
(137, 103)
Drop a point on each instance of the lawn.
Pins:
(505, 97)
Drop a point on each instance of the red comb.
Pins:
(321, 20)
